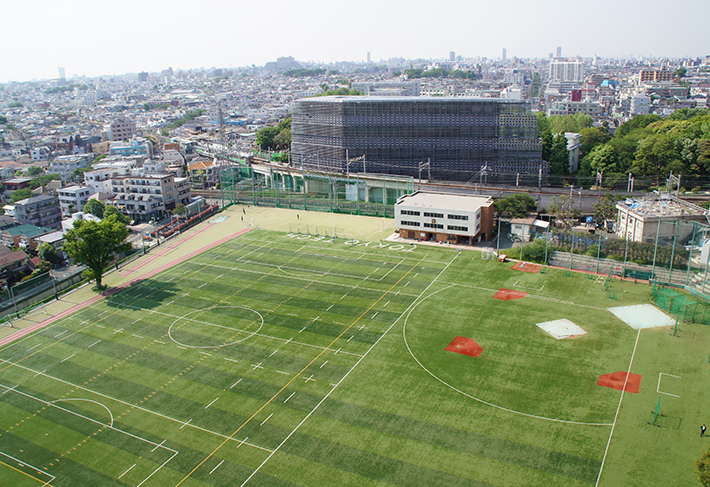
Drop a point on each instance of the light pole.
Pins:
(422, 165)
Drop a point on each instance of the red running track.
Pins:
(89, 302)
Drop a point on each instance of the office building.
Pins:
(460, 137)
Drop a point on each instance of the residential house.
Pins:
(40, 211)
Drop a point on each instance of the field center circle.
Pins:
(248, 311)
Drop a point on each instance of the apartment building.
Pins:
(145, 195)
(121, 129)
(41, 211)
(65, 165)
(73, 198)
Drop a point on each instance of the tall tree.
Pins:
(605, 208)
(95, 207)
(516, 205)
(96, 245)
(702, 467)
(562, 208)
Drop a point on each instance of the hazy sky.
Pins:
(96, 37)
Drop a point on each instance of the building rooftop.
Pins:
(444, 201)
(659, 206)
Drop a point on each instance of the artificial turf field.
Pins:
(280, 360)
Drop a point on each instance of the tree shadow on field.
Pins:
(146, 293)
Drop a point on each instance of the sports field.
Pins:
(279, 359)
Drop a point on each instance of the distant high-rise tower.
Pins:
(368, 57)
(559, 51)
(62, 75)
(505, 51)
(452, 56)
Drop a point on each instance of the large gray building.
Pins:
(461, 137)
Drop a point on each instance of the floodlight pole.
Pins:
(655, 250)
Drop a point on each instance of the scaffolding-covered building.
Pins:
(460, 138)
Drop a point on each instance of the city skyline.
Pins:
(42, 36)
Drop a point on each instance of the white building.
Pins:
(64, 165)
(73, 198)
(566, 70)
(639, 219)
(144, 195)
(444, 217)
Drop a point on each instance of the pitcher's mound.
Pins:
(527, 267)
(465, 346)
(616, 380)
(508, 294)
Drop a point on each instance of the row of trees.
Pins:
(441, 73)
(275, 138)
(647, 146)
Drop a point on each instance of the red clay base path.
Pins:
(616, 381)
(465, 346)
(527, 267)
(508, 294)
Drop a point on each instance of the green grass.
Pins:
(299, 361)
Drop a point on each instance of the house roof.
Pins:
(29, 231)
(8, 257)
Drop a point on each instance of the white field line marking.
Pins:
(262, 423)
(618, 408)
(213, 401)
(340, 381)
(30, 349)
(103, 313)
(156, 446)
(8, 389)
(323, 364)
(158, 341)
(386, 304)
(129, 469)
(70, 356)
(272, 353)
(60, 334)
(658, 388)
(351, 338)
(32, 467)
(341, 297)
(415, 275)
(205, 353)
(404, 331)
(185, 424)
(236, 383)
(291, 314)
(120, 330)
(406, 284)
(182, 348)
(375, 314)
(243, 331)
(302, 329)
(136, 321)
(231, 359)
(329, 307)
(242, 442)
(256, 366)
(220, 463)
(221, 275)
(202, 285)
(125, 403)
(282, 372)
(137, 336)
(101, 326)
(97, 341)
(339, 323)
(171, 302)
(289, 397)
(175, 452)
